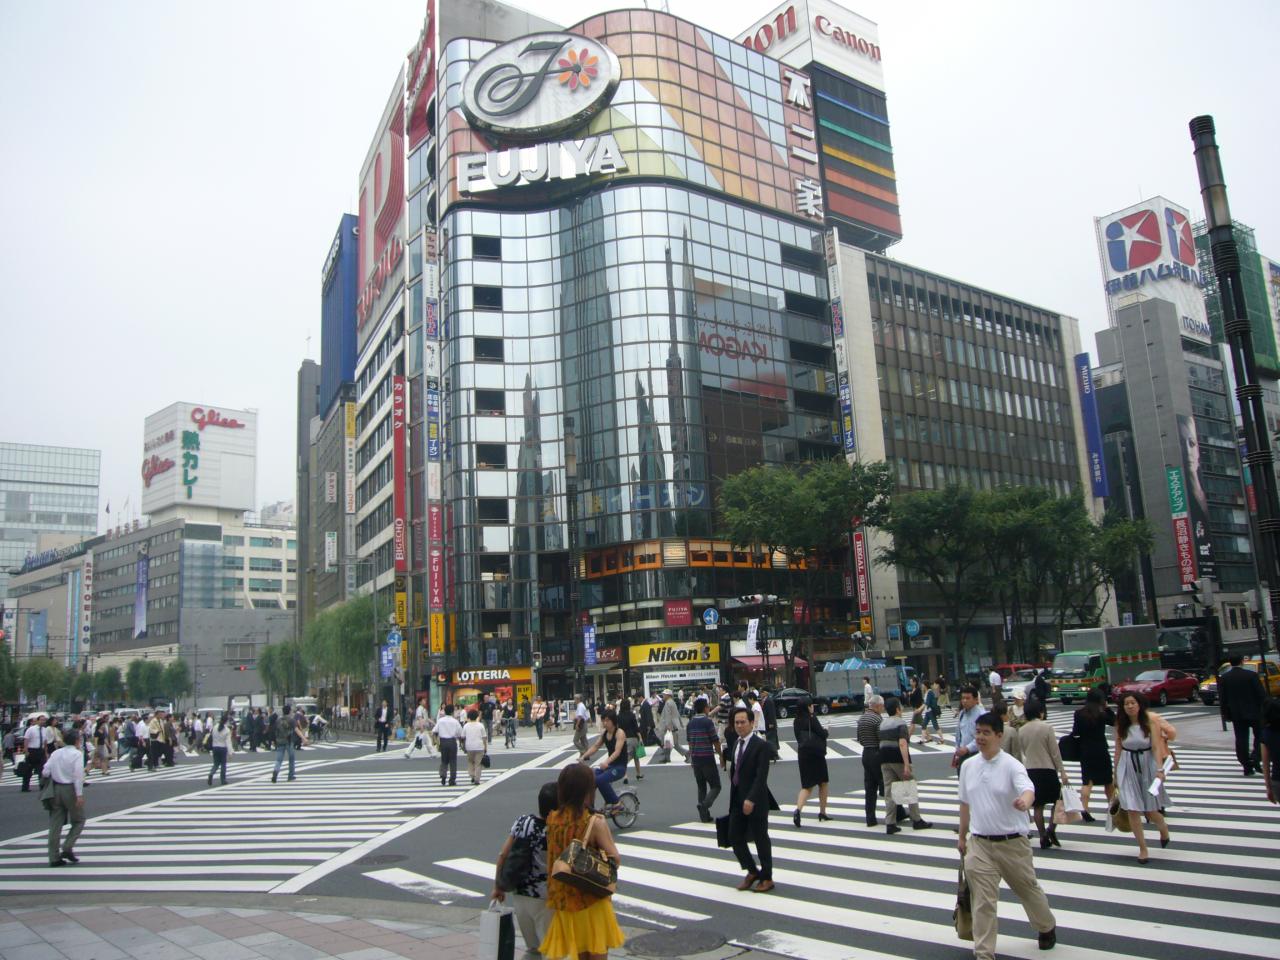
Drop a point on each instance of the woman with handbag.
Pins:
(583, 925)
(475, 740)
(1140, 754)
(1089, 730)
(811, 747)
(1043, 760)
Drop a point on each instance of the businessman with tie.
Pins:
(750, 802)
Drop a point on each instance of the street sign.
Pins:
(711, 618)
(394, 636)
(589, 645)
(912, 628)
(866, 624)
(895, 631)
(387, 660)
(753, 629)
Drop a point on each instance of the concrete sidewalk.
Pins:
(137, 925)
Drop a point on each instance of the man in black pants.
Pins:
(750, 802)
(704, 748)
(1242, 699)
(382, 725)
(449, 732)
(37, 738)
(869, 738)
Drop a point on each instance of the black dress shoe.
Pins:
(71, 857)
(893, 828)
(1048, 939)
(823, 816)
(58, 863)
(1087, 817)
(795, 818)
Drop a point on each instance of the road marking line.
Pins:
(322, 870)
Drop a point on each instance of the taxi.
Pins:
(1270, 682)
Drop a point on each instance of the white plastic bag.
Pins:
(904, 792)
(1071, 801)
(497, 933)
(668, 741)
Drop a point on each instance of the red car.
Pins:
(1159, 686)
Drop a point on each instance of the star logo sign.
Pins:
(1133, 241)
(1181, 245)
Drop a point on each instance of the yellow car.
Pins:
(1270, 682)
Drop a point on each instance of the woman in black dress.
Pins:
(1089, 727)
(811, 746)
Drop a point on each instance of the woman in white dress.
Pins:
(1139, 763)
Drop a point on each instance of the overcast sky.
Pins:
(171, 175)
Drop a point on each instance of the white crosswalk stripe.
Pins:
(250, 836)
(850, 892)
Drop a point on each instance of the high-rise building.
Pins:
(590, 296)
(46, 490)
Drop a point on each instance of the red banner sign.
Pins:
(399, 467)
(678, 613)
(860, 569)
(1184, 546)
(435, 523)
(435, 578)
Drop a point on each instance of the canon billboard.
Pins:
(801, 32)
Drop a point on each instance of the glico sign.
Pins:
(539, 85)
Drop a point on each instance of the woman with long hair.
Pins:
(220, 747)
(1043, 760)
(1089, 726)
(631, 729)
(1139, 759)
(614, 765)
(811, 747)
(583, 927)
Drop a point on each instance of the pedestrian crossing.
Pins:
(846, 891)
(251, 835)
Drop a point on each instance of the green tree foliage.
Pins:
(284, 668)
(109, 684)
(339, 642)
(82, 687)
(144, 680)
(804, 512)
(40, 675)
(1039, 557)
(8, 673)
(176, 681)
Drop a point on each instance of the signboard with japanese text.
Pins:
(199, 455)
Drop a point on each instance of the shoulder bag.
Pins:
(1069, 747)
(517, 866)
(585, 868)
(962, 916)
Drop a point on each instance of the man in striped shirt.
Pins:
(869, 739)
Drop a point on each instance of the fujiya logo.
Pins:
(540, 84)
(1133, 241)
(1181, 246)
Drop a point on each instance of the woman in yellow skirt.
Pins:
(583, 927)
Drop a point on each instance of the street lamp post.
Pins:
(571, 505)
(1235, 326)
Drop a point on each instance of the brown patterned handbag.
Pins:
(585, 868)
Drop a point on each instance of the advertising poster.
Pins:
(860, 566)
(589, 645)
(142, 577)
(38, 633)
(399, 469)
(330, 551)
(349, 456)
(1092, 429)
(1197, 500)
(1183, 541)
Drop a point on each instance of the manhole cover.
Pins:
(674, 943)
(374, 859)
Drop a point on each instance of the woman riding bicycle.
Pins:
(614, 765)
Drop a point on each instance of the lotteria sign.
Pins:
(493, 675)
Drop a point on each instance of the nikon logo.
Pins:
(695, 654)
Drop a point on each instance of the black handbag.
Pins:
(962, 916)
(722, 831)
(516, 867)
(485, 761)
(585, 868)
(1069, 747)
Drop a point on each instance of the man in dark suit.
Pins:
(770, 710)
(1242, 699)
(750, 802)
(382, 721)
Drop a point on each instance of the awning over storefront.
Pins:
(775, 663)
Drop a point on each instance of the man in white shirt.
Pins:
(995, 795)
(141, 741)
(996, 682)
(449, 732)
(421, 731)
(66, 769)
(36, 738)
(868, 691)
(581, 719)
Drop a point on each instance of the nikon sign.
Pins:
(672, 654)
(540, 85)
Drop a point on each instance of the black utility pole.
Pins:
(1235, 327)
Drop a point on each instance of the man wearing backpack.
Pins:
(284, 737)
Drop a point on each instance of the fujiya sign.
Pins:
(540, 85)
(520, 166)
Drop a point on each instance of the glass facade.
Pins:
(44, 490)
(643, 343)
